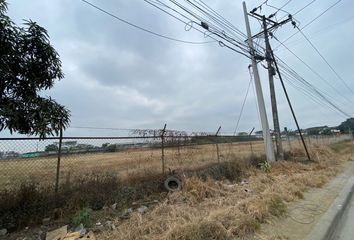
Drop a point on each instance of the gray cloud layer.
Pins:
(117, 76)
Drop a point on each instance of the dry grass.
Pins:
(210, 209)
(212, 197)
(125, 164)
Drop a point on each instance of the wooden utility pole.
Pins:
(271, 73)
(262, 110)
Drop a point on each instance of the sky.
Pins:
(119, 77)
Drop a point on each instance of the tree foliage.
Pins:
(29, 65)
(347, 125)
(51, 148)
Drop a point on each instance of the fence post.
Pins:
(217, 145)
(59, 156)
(288, 138)
(179, 145)
(163, 149)
(249, 139)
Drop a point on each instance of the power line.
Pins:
(222, 18)
(303, 8)
(141, 28)
(309, 92)
(315, 72)
(325, 60)
(310, 87)
(321, 30)
(224, 36)
(217, 18)
(217, 25)
(317, 17)
(243, 103)
(278, 9)
(284, 5)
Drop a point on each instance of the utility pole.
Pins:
(262, 110)
(271, 73)
(272, 58)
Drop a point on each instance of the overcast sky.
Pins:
(119, 77)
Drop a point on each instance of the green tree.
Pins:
(51, 148)
(326, 131)
(346, 125)
(28, 66)
(242, 134)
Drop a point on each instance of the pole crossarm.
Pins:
(274, 24)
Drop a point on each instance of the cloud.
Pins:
(117, 76)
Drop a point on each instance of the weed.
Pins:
(265, 167)
(82, 217)
(277, 206)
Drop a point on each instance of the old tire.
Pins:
(172, 184)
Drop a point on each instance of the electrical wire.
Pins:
(243, 103)
(316, 73)
(325, 60)
(223, 19)
(141, 28)
(284, 5)
(279, 9)
(320, 31)
(314, 91)
(310, 22)
(308, 93)
(214, 16)
(221, 43)
(303, 8)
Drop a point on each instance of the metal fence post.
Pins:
(288, 139)
(163, 149)
(58, 162)
(217, 144)
(249, 139)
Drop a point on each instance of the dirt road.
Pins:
(305, 213)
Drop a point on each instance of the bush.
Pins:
(265, 167)
(82, 217)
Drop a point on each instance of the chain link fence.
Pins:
(55, 161)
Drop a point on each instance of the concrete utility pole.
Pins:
(262, 110)
(271, 73)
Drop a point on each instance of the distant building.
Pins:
(9, 155)
(335, 131)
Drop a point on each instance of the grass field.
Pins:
(224, 210)
(126, 163)
(95, 180)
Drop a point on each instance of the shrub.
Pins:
(265, 166)
(82, 217)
